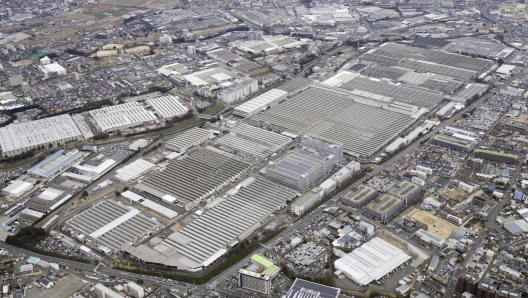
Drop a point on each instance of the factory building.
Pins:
(371, 261)
(300, 169)
(134, 170)
(252, 142)
(134, 290)
(110, 224)
(55, 163)
(323, 146)
(17, 188)
(167, 106)
(121, 117)
(384, 207)
(238, 90)
(260, 103)
(189, 181)
(21, 137)
(207, 238)
(193, 137)
(406, 191)
(306, 201)
(358, 197)
(453, 143)
(49, 199)
(496, 156)
(254, 281)
(52, 70)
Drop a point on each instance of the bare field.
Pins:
(455, 194)
(435, 225)
(394, 242)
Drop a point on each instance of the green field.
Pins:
(213, 110)
(105, 13)
(9, 166)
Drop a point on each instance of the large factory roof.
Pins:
(260, 102)
(247, 146)
(371, 261)
(123, 115)
(112, 224)
(384, 204)
(133, 170)
(210, 76)
(57, 164)
(359, 194)
(34, 133)
(167, 106)
(197, 176)
(230, 221)
(496, 153)
(297, 164)
(296, 84)
(272, 139)
(189, 138)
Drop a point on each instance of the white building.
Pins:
(239, 90)
(262, 102)
(366, 227)
(418, 181)
(306, 201)
(426, 170)
(191, 50)
(52, 70)
(371, 261)
(121, 117)
(17, 188)
(104, 292)
(134, 170)
(45, 60)
(164, 39)
(134, 290)
(466, 187)
(167, 106)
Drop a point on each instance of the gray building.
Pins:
(253, 281)
(360, 196)
(453, 143)
(384, 208)
(406, 191)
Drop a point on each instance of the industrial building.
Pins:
(207, 238)
(17, 188)
(49, 199)
(308, 289)
(253, 142)
(371, 261)
(210, 76)
(300, 169)
(384, 207)
(260, 103)
(453, 143)
(429, 238)
(134, 170)
(110, 224)
(191, 180)
(406, 191)
(167, 106)
(55, 163)
(52, 70)
(496, 156)
(254, 281)
(121, 117)
(21, 137)
(358, 197)
(362, 124)
(152, 206)
(238, 90)
(86, 173)
(134, 290)
(306, 201)
(103, 292)
(189, 138)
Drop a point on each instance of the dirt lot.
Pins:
(435, 225)
(455, 194)
(394, 242)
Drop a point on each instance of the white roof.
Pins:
(53, 67)
(50, 194)
(98, 169)
(123, 115)
(169, 198)
(167, 106)
(59, 202)
(32, 213)
(134, 170)
(132, 196)
(215, 256)
(17, 187)
(137, 144)
(371, 261)
(168, 213)
(114, 223)
(506, 69)
(262, 101)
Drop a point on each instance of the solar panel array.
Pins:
(298, 163)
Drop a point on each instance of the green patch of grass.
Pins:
(213, 110)
(105, 13)
(9, 166)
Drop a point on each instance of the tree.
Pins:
(125, 188)
(500, 61)
(213, 120)
(50, 145)
(117, 193)
(85, 194)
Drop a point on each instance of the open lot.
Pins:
(455, 194)
(435, 225)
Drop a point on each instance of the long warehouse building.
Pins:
(190, 138)
(208, 238)
(121, 117)
(21, 137)
(167, 106)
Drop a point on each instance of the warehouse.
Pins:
(167, 106)
(21, 137)
(496, 156)
(296, 85)
(300, 169)
(195, 178)
(405, 191)
(110, 224)
(52, 70)
(358, 197)
(210, 76)
(203, 241)
(266, 100)
(134, 170)
(453, 143)
(121, 117)
(517, 227)
(306, 201)
(371, 261)
(243, 147)
(17, 188)
(262, 136)
(49, 199)
(189, 138)
(153, 206)
(429, 238)
(55, 163)
(384, 207)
